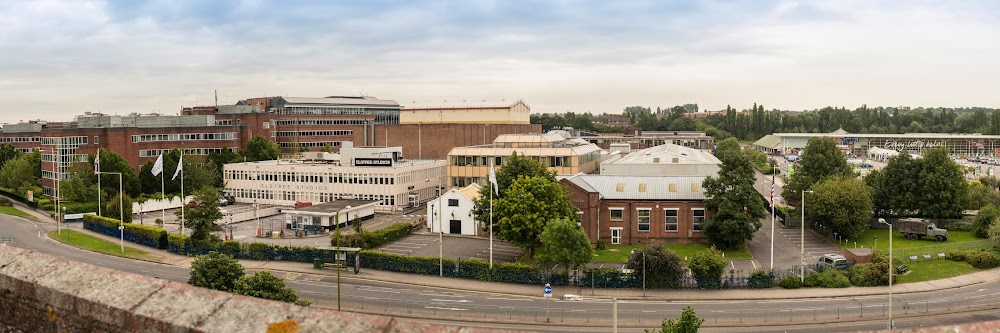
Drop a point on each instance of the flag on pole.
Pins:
(97, 162)
(493, 180)
(180, 165)
(772, 189)
(158, 166)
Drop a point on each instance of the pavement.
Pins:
(294, 268)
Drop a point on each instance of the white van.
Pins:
(834, 261)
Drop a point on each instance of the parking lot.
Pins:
(455, 247)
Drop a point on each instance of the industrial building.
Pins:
(861, 144)
(461, 113)
(663, 160)
(564, 156)
(362, 173)
(636, 138)
(639, 209)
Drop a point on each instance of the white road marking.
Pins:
(440, 308)
(451, 300)
(440, 295)
(509, 299)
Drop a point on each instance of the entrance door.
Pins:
(455, 227)
(616, 236)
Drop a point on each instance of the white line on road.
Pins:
(440, 295)
(451, 300)
(509, 299)
(440, 308)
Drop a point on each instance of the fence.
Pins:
(939, 251)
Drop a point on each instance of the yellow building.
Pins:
(468, 165)
(454, 113)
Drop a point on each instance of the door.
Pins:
(455, 227)
(616, 236)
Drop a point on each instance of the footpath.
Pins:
(427, 281)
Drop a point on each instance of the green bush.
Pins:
(791, 282)
(601, 246)
(956, 255)
(983, 260)
(80, 207)
(812, 280)
(177, 243)
(707, 268)
(4, 201)
(761, 278)
(833, 278)
(373, 239)
(859, 275)
(140, 234)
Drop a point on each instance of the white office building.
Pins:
(362, 173)
(452, 211)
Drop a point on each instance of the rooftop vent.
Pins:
(620, 187)
(642, 187)
(656, 160)
(673, 187)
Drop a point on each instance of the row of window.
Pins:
(551, 161)
(322, 122)
(186, 151)
(22, 139)
(386, 200)
(313, 177)
(183, 137)
(313, 133)
(309, 144)
(670, 217)
(66, 141)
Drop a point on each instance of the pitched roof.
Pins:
(340, 100)
(641, 187)
(666, 153)
(471, 191)
(768, 141)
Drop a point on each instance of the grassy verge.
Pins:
(9, 210)
(934, 270)
(867, 239)
(619, 253)
(95, 244)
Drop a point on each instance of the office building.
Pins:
(469, 165)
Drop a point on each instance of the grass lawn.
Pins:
(88, 242)
(619, 253)
(9, 210)
(934, 270)
(898, 242)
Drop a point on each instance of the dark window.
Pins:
(452, 202)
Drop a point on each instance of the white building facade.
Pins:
(452, 212)
(380, 175)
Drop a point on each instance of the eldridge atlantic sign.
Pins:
(377, 162)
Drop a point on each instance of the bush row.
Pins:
(372, 239)
(978, 259)
(140, 234)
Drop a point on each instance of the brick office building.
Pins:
(639, 209)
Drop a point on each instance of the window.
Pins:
(698, 216)
(96, 141)
(616, 214)
(643, 219)
(452, 202)
(265, 125)
(671, 219)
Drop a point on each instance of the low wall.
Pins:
(41, 293)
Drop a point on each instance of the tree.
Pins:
(980, 195)
(844, 205)
(681, 124)
(942, 185)
(878, 275)
(513, 167)
(198, 175)
(111, 208)
(263, 284)
(12, 175)
(687, 323)
(986, 218)
(201, 215)
(215, 271)
(564, 243)
(661, 266)
(707, 267)
(225, 157)
(78, 187)
(526, 207)
(820, 160)
(896, 188)
(7, 152)
(260, 148)
(739, 207)
(114, 162)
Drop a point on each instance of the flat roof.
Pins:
(665, 153)
(298, 163)
(333, 207)
(898, 136)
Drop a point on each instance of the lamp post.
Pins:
(802, 241)
(881, 220)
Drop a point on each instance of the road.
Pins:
(505, 310)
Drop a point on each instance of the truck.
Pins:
(914, 228)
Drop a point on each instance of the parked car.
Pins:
(833, 261)
(223, 202)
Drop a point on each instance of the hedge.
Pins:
(178, 243)
(373, 239)
(140, 234)
(252, 251)
(80, 207)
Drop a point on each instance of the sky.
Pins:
(62, 58)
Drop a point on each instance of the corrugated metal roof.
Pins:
(529, 138)
(768, 141)
(631, 188)
(337, 100)
(665, 153)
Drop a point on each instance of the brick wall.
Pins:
(434, 141)
(41, 293)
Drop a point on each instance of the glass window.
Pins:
(671, 219)
(616, 214)
(643, 219)
(698, 216)
(452, 202)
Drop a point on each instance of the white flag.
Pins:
(158, 166)
(493, 180)
(180, 165)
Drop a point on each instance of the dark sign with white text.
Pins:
(379, 162)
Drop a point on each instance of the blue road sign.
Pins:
(548, 289)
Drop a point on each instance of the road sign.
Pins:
(548, 290)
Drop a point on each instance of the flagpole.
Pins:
(180, 164)
(491, 227)
(97, 170)
(163, 194)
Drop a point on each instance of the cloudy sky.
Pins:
(61, 58)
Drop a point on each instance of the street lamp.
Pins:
(440, 228)
(802, 241)
(881, 220)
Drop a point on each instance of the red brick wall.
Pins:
(434, 141)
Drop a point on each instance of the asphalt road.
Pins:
(537, 313)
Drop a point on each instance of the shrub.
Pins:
(601, 245)
(833, 278)
(791, 282)
(956, 255)
(761, 278)
(663, 266)
(858, 275)
(4, 201)
(178, 243)
(707, 268)
(812, 280)
(80, 207)
(983, 260)
(607, 278)
(140, 234)
(373, 239)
